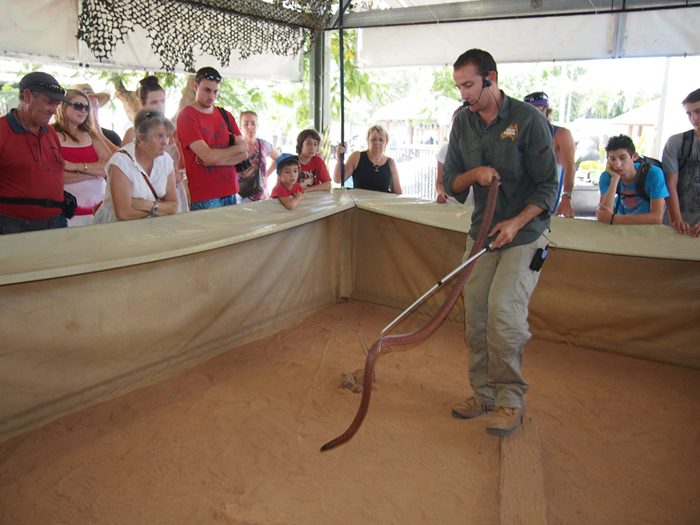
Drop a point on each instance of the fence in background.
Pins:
(417, 167)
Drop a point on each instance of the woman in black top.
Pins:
(371, 169)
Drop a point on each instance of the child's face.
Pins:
(621, 162)
(309, 147)
(289, 174)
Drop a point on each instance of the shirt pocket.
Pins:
(508, 158)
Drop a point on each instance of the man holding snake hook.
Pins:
(499, 137)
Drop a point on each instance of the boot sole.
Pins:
(457, 415)
(501, 431)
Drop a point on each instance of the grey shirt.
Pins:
(672, 151)
(688, 186)
(518, 144)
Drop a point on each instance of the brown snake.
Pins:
(419, 334)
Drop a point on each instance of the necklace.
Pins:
(375, 165)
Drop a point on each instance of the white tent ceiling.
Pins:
(670, 32)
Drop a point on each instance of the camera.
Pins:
(243, 165)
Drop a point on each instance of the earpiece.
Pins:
(487, 82)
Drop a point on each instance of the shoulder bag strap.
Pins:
(231, 140)
(145, 177)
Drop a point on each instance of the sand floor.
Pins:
(236, 440)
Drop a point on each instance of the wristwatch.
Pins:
(154, 209)
(566, 194)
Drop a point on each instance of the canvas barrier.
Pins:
(92, 312)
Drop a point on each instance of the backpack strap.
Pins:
(642, 179)
(640, 188)
(686, 149)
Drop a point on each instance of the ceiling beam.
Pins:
(503, 9)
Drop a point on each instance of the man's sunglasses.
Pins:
(54, 88)
(78, 106)
(209, 76)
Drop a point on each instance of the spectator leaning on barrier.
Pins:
(288, 190)
(681, 162)
(31, 167)
(632, 188)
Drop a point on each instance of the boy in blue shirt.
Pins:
(628, 194)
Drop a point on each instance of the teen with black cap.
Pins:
(31, 167)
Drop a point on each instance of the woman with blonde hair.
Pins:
(84, 154)
(371, 169)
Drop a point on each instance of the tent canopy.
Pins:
(265, 38)
(245, 38)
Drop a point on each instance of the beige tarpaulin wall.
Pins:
(88, 313)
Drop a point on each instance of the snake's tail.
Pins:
(370, 363)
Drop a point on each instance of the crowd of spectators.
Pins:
(59, 167)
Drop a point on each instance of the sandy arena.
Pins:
(236, 439)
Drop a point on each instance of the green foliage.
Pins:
(443, 83)
(236, 93)
(359, 85)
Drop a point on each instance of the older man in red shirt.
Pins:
(31, 167)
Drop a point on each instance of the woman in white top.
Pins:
(152, 96)
(140, 176)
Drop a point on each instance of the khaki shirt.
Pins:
(518, 144)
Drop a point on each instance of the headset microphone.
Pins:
(486, 83)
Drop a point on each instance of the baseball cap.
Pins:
(538, 98)
(44, 83)
(286, 158)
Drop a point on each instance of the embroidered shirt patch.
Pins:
(511, 132)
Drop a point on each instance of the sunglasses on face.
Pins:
(78, 106)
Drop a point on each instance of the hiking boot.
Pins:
(505, 420)
(470, 409)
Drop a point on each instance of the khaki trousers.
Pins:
(496, 298)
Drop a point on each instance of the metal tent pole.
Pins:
(341, 51)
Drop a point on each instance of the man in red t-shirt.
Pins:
(31, 167)
(210, 155)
